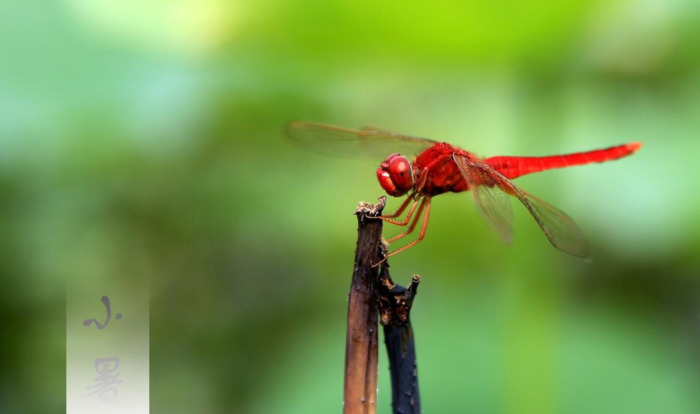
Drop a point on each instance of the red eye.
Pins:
(400, 172)
(395, 175)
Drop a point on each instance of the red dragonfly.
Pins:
(440, 167)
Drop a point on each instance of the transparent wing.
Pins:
(490, 190)
(489, 198)
(344, 142)
(559, 228)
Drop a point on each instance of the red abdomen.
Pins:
(513, 167)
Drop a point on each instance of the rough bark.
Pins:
(373, 296)
(360, 391)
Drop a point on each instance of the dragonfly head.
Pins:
(395, 175)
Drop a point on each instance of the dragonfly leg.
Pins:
(413, 223)
(413, 197)
(389, 218)
(423, 179)
(425, 203)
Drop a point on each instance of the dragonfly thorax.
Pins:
(395, 175)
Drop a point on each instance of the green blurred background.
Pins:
(143, 140)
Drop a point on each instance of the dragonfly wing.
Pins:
(369, 142)
(559, 228)
(490, 190)
(491, 201)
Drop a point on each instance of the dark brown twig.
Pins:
(395, 303)
(373, 294)
(361, 359)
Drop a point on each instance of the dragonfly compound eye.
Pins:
(395, 175)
